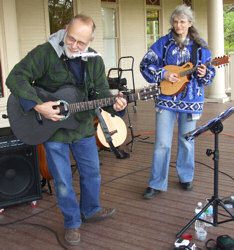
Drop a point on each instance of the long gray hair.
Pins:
(183, 11)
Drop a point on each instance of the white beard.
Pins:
(77, 51)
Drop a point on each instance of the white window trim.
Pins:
(117, 37)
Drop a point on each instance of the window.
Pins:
(153, 2)
(60, 14)
(152, 18)
(110, 39)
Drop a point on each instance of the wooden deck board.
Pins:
(138, 224)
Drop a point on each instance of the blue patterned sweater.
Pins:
(166, 52)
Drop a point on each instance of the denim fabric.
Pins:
(87, 160)
(165, 121)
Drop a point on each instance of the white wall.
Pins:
(200, 8)
(92, 8)
(32, 24)
(167, 8)
(133, 36)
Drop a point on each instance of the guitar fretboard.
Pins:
(99, 103)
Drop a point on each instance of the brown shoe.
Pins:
(72, 236)
(103, 214)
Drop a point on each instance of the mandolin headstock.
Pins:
(217, 61)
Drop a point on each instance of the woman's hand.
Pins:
(201, 70)
(171, 77)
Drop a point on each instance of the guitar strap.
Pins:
(108, 137)
(195, 47)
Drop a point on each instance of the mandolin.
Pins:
(116, 127)
(169, 88)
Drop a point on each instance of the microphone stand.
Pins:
(215, 127)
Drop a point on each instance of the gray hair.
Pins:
(182, 11)
(85, 19)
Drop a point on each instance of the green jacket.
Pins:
(44, 68)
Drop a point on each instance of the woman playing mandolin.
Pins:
(181, 98)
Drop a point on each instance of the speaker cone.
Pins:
(16, 175)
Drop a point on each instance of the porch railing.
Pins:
(229, 74)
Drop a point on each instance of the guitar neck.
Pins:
(99, 103)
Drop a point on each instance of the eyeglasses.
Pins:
(78, 43)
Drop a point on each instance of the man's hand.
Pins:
(201, 70)
(120, 103)
(171, 77)
(49, 110)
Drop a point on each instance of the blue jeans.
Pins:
(86, 156)
(162, 150)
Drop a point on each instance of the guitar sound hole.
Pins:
(63, 111)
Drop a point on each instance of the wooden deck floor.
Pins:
(138, 224)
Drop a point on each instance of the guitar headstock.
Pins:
(149, 93)
(220, 60)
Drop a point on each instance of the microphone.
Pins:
(4, 116)
(61, 43)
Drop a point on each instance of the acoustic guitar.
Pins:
(169, 88)
(34, 129)
(116, 127)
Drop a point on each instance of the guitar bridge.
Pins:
(113, 132)
(39, 118)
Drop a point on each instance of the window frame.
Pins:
(159, 9)
(117, 37)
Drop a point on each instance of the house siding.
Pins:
(31, 24)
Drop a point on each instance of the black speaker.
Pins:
(19, 171)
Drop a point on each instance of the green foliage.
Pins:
(228, 15)
(60, 13)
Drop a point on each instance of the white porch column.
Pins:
(231, 72)
(216, 91)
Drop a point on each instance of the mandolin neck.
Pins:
(190, 71)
